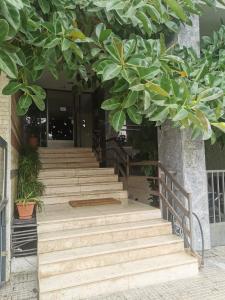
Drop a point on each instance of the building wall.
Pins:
(10, 130)
(138, 188)
(215, 156)
(5, 133)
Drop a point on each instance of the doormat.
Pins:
(93, 202)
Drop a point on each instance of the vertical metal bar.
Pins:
(218, 191)
(213, 197)
(1, 269)
(128, 165)
(160, 189)
(166, 195)
(190, 219)
(223, 191)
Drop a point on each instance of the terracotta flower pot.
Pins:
(25, 211)
(33, 141)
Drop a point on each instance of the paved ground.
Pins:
(209, 285)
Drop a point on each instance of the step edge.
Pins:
(186, 261)
(101, 231)
(119, 250)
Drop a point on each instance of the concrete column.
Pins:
(179, 153)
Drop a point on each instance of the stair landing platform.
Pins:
(64, 212)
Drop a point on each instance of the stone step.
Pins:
(123, 276)
(66, 261)
(66, 155)
(63, 222)
(67, 160)
(63, 150)
(65, 198)
(79, 180)
(80, 188)
(56, 173)
(68, 165)
(69, 239)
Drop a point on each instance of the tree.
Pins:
(121, 44)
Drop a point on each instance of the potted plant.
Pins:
(25, 206)
(29, 188)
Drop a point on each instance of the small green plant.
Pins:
(29, 188)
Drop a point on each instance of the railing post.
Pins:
(190, 219)
(160, 189)
(127, 165)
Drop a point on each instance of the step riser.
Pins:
(82, 188)
(99, 221)
(119, 284)
(67, 160)
(75, 173)
(79, 180)
(64, 150)
(70, 165)
(121, 195)
(66, 155)
(101, 260)
(101, 238)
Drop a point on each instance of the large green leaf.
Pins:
(111, 71)
(44, 5)
(220, 125)
(177, 9)
(7, 65)
(11, 88)
(130, 99)
(23, 104)
(4, 30)
(181, 114)
(134, 115)
(17, 3)
(11, 13)
(160, 114)
(39, 102)
(210, 95)
(111, 104)
(155, 88)
(118, 120)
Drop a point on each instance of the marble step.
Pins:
(79, 180)
(119, 277)
(77, 259)
(67, 160)
(80, 188)
(68, 165)
(42, 150)
(75, 172)
(66, 155)
(61, 220)
(69, 239)
(65, 198)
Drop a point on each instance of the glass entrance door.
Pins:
(60, 119)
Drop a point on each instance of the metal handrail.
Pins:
(175, 208)
(174, 205)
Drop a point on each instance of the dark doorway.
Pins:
(60, 118)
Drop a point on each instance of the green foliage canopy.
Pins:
(117, 43)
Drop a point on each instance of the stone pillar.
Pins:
(189, 36)
(179, 153)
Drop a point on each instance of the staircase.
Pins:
(97, 250)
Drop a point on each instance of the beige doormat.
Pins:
(93, 202)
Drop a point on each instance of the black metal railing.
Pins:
(3, 203)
